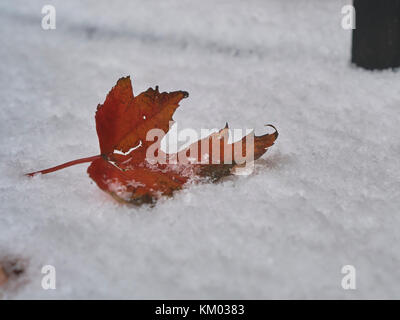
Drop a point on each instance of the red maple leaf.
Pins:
(134, 169)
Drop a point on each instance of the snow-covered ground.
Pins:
(327, 194)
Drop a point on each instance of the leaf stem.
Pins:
(65, 165)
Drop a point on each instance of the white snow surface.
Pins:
(324, 196)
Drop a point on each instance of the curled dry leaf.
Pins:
(134, 169)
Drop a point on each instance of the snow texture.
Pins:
(324, 196)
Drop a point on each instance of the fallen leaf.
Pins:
(3, 276)
(124, 168)
(11, 272)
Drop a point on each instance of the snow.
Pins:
(324, 196)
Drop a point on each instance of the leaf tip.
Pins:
(276, 134)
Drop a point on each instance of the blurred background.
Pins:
(324, 196)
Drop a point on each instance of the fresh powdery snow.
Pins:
(326, 195)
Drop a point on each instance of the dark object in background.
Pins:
(376, 39)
